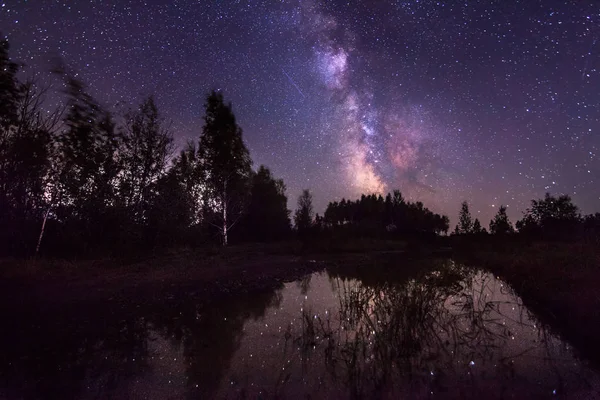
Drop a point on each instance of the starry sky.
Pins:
(493, 102)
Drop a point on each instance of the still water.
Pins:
(446, 332)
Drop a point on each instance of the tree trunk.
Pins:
(37, 248)
(225, 214)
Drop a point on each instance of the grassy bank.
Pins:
(558, 281)
(207, 273)
(178, 264)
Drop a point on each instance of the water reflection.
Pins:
(452, 332)
(57, 354)
(378, 332)
(175, 350)
(209, 337)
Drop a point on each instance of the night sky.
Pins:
(493, 102)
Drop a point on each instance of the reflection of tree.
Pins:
(417, 336)
(389, 328)
(54, 353)
(304, 284)
(97, 352)
(210, 335)
(391, 336)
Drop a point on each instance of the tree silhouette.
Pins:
(188, 170)
(26, 146)
(10, 92)
(373, 215)
(591, 226)
(147, 145)
(303, 218)
(319, 224)
(225, 163)
(500, 225)
(477, 230)
(170, 212)
(105, 185)
(90, 167)
(465, 221)
(551, 217)
(268, 217)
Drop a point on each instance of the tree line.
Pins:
(372, 214)
(549, 218)
(82, 180)
(553, 217)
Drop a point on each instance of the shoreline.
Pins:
(556, 281)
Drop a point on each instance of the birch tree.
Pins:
(226, 165)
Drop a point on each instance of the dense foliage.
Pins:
(551, 217)
(373, 215)
(267, 217)
(83, 181)
(500, 225)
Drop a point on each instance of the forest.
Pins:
(80, 180)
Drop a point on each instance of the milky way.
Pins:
(354, 114)
(494, 102)
(380, 147)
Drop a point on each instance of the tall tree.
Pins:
(465, 221)
(90, 166)
(268, 217)
(500, 225)
(26, 135)
(226, 163)
(477, 227)
(147, 146)
(30, 172)
(10, 95)
(303, 218)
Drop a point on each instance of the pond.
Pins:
(447, 331)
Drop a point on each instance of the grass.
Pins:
(155, 276)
